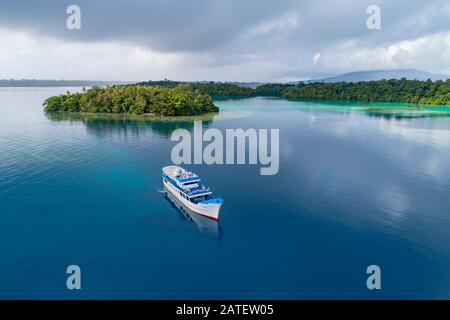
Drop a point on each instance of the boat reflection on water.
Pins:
(207, 226)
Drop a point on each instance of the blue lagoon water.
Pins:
(355, 188)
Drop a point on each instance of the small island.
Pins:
(181, 100)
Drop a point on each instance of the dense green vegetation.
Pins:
(181, 100)
(413, 91)
(225, 90)
(160, 83)
(171, 98)
(272, 89)
(217, 90)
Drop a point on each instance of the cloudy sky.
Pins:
(227, 40)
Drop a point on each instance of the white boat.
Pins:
(187, 188)
(209, 227)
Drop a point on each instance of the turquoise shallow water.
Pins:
(355, 188)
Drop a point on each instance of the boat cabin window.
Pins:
(200, 199)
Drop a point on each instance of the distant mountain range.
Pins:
(56, 83)
(410, 74)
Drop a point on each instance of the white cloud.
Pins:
(431, 53)
(278, 49)
(23, 56)
(283, 23)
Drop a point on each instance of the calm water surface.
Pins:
(355, 188)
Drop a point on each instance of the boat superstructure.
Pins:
(189, 189)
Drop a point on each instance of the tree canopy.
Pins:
(171, 98)
(217, 90)
(403, 90)
(413, 91)
(181, 100)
